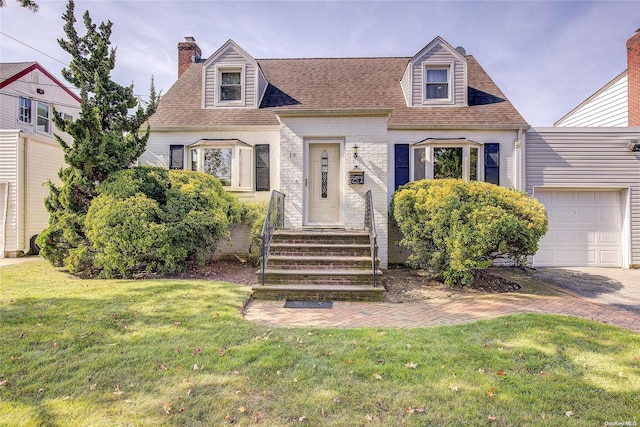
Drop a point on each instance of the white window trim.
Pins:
(235, 162)
(449, 66)
(466, 156)
(50, 109)
(32, 102)
(226, 68)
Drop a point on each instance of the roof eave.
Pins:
(469, 126)
(346, 112)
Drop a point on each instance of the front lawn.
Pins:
(177, 352)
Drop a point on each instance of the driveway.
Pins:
(617, 287)
(19, 260)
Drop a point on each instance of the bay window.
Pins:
(231, 161)
(446, 158)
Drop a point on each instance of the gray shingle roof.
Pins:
(10, 69)
(335, 84)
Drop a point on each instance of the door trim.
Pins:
(341, 182)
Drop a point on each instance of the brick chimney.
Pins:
(188, 53)
(633, 86)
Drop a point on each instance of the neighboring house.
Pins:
(588, 177)
(29, 154)
(305, 126)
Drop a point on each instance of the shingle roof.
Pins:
(10, 69)
(337, 84)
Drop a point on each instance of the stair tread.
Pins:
(351, 288)
(323, 232)
(319, 258)
(321, 272)
(321, 245)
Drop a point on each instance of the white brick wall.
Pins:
(370, 135)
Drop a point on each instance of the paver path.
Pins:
(455, 310)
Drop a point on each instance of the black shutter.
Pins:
(262, 167)
(402, 164)
(176, 157)
(492, 163)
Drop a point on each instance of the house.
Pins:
(29, 154)
(325, 131)
(586, 171)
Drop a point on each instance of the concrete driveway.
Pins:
(615, 286)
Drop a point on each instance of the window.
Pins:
(24, 110)
(262, 168)
(176, 157)
(231, 161)
(447, 158)
(230, 86)
(437, 83)
(43, 123)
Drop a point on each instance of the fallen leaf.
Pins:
(65, 398)
(421, 410)
(454, 374)
(40, 390)
(368, 418)
(543, 372)
(380, 362)
(491, 418)
(482, 371)
(128, 401)
(93, 386)
(348, 362)
(278, 372)
(569, 413)
(490, 391)
(196, 367)
(162, 367)
(521, 356)
(351, 372)
(198, 351)
(228, 419)
(181, 410)
(188, 392)
(409, 410)
(336, 399)
(295, 380)
(411, 365)
(177, 323)
(14, 358)
(117, 391)
(453, 388)
(3, 383)
(242, 409)
(54, 345)
(408, 346)
(621, 375)
(378, 377)
(302, 419)
(223, 351)
(500, 373)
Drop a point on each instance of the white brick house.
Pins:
(300, 126)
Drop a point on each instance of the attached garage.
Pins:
(589, 181)
(585, 228)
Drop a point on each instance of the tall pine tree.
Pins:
(105, 138)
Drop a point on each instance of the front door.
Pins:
(323, 184)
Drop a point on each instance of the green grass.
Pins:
(88, 352)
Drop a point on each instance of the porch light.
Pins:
(355, 151)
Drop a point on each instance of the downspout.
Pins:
(520, 167)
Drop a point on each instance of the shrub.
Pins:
(253, 214)
(454, 228)
(151, 220)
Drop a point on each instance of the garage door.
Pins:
(585, 228)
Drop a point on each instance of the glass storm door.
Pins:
(323, 184)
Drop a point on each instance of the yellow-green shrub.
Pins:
(454, 228)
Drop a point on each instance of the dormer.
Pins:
(436, 76)
(232, 79)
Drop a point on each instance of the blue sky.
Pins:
(546, 56)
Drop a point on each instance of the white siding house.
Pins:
(304, 126)
(29, 154)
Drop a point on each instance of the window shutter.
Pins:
(402, 164)
(262, 167)
(176, 157)
(492, 163)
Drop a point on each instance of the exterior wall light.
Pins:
(355, 151)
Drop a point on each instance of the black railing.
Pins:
(272, 221)
(370, 225)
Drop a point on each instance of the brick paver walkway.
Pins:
(455, 310)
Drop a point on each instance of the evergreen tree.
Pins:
(105, 138)
(29, 4)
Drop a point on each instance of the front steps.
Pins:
(319, 265)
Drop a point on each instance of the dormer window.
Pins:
(437, 83)
(231, 86)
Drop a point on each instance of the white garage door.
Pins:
(585, 228)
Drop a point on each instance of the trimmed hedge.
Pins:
(152, 220)
(454, 228)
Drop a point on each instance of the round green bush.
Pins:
(454, 228)
(152, 220)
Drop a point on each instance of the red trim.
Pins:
(36, 66)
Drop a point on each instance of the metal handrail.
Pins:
(370, 224)
(274, 219)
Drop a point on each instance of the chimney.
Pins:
(633, 85)
(188, 53)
